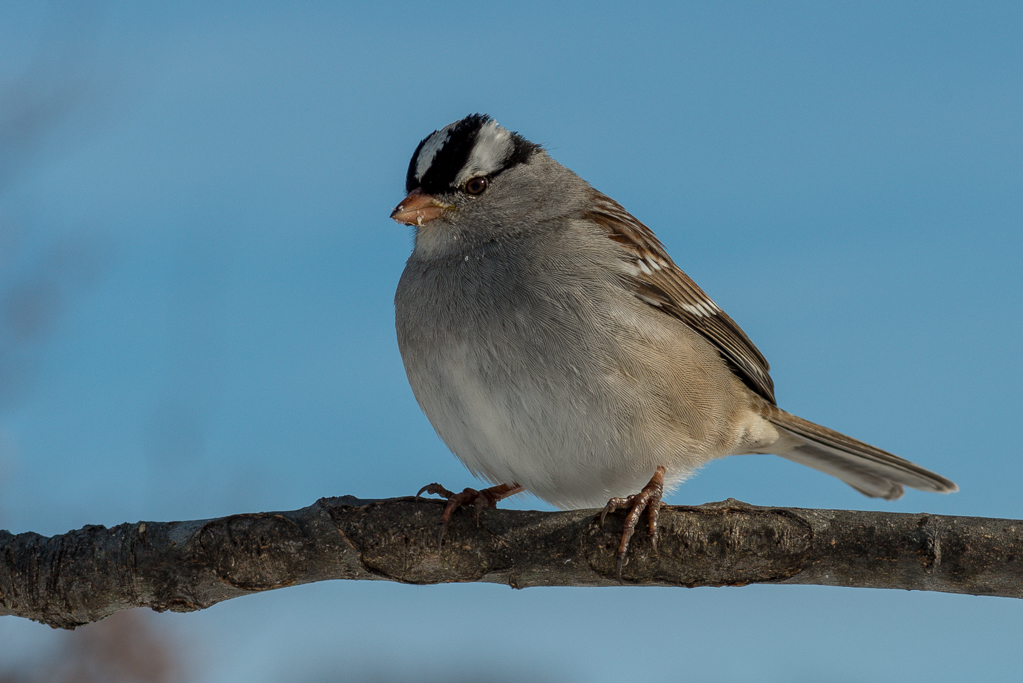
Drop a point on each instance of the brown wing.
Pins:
(662, 284)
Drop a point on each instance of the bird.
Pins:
(556, 348)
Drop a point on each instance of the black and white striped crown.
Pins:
(473, 146)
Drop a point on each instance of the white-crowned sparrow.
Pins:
(556, 348)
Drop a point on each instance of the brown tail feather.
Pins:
(869, 470)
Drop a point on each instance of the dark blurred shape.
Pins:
(39, 276)
(29, 308)
(51, 89)
(123, 648)
(30, 303)
(37, 287)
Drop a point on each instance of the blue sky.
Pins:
(197, 269)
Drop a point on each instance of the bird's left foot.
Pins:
(480, 500)
(648, 499)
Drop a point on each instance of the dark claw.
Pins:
(613, 505)
(435, 489)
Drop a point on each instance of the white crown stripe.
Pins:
(430, 148)
(490, 152)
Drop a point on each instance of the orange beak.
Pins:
(419, 208)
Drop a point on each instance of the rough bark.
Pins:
(87, 574)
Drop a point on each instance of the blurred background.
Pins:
(197, 270)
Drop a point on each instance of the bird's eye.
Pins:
(476, 186)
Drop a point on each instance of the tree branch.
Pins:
(85, 575)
